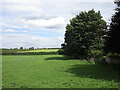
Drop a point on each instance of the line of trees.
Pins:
(30, 48)
(87, 35)
(21, 48)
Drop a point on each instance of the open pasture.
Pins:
(55, 71)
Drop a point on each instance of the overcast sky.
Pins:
(41, 23)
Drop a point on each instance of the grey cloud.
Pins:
(41, 17)
(55, 26)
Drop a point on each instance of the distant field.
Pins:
(29, 52)
(55, 71)
(41, 50)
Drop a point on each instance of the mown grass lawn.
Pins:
(55, 71)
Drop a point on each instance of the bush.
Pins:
(96, 53)
(98, 56)
(113, 59)
(113, 55)
(61, 51)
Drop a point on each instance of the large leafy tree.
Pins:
(112, 43)
(84, 33)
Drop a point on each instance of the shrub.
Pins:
(113, 55)
(98, 56)
(61, 51)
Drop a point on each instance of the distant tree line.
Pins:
(31, 48)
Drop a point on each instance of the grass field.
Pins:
(55, 71)
(29, 51)
(41, 50)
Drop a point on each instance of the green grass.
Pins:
(0, 72)
(55, 71)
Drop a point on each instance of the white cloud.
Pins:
(22, 10)
(21, 1)
(81, 0)
(18, 1)
(9, 30)
(18, 40)
(40, 2)
(43, 23)
(25, 9)
(12, 30)
(3, 24)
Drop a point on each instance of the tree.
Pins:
(15, 48)
(84, 33)
(112, 43)
(62, 46)
(31, 48)
(21, 48)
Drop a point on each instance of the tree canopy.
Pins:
(112, 43)
(84, 33)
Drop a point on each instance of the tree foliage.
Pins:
(84, 33)
(112, 43)
(31, 48)
(21, 48)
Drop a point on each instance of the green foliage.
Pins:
(113, 55)
(31, 48)
(97, 53)
(8, 51)
(62, 45)
(21, 48)
(98, 56)
(84, 33)
(112, 44)
(61, 51)
(55, 71)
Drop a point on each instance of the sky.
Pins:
(41, 23)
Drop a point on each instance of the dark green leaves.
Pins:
(84, 32)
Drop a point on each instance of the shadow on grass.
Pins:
(94, 71)
(59, 58)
